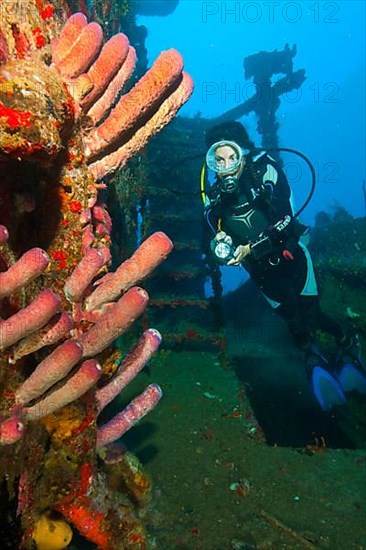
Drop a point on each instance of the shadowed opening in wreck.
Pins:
(29, 204)
(10, 523)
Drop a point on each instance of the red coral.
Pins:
(60, 257)
(39, 38)
(15, 118)
(47, 12)
(89, 522)
(75, 207)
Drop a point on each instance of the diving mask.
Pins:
(224, 157)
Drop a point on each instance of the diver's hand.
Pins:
(221, 236)
(240, 253)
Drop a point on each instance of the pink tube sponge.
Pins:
(147, 257)
(28, 320)
(137, 409)
(132, 364)
(114, 322)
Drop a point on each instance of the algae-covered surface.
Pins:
(219, 485)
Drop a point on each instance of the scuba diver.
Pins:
(248, 208)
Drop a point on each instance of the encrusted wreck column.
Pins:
(64, 126)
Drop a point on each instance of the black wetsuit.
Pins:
(279, 265)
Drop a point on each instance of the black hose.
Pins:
(311, 168)
(287, 150)
(274, 150)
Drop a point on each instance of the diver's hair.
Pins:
(230, 130)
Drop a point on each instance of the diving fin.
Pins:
(350, 372)
(352, 377)
(326, 389)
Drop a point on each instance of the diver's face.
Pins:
(225, 158)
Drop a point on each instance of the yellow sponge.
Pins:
(51, 534)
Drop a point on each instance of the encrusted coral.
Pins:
(64, 127)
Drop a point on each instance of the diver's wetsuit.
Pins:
(284, 273)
